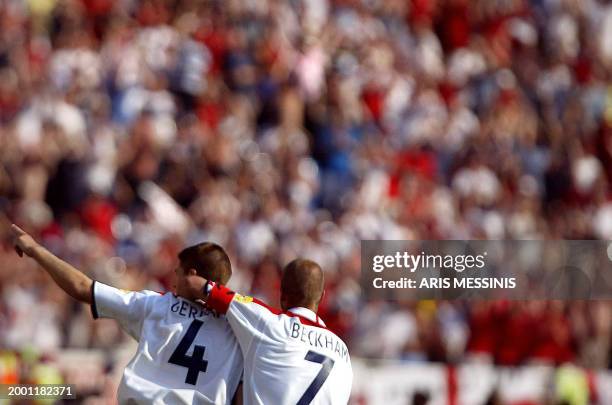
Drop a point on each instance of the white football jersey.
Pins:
(290, 358)
(185, 355)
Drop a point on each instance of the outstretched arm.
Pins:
(70, 279)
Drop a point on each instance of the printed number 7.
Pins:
(317, 383)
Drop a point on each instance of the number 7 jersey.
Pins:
(185, 355)
(289, 357)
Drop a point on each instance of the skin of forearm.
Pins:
(67, 277)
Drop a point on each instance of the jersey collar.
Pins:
(308, 314)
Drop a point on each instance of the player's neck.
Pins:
(287, 304)
(311, 308)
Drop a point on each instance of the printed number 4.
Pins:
(317, 383)
(194, 363)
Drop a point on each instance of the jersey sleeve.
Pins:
(129, 308)
(246, 315)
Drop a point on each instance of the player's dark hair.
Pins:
(209, 261)
(302, 284)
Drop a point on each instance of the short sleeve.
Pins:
(247, 317)
(129, 308)
(245, 314)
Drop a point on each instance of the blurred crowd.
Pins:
(130, 129)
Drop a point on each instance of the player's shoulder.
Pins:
(155, 293)
(154, 298)
(151, 295)
(100, 288)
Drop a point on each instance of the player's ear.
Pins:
(191, 272)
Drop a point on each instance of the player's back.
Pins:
(296, 360)
(185, 355)
(290, 357)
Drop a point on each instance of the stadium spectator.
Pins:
(283, 129)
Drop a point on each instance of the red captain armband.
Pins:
(219, 297)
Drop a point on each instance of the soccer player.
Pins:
(290, 357)
(186, 354)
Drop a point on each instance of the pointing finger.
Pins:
(17, 231)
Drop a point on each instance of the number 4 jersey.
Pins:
(185, 355)
(289, 357)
